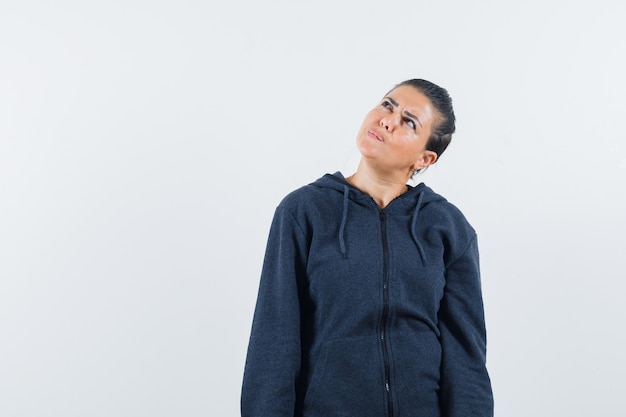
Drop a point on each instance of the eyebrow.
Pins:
(411, 115)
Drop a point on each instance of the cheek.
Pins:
(411, 148)
(415, 142)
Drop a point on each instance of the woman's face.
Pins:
(393, 135)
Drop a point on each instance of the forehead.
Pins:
(414, 101)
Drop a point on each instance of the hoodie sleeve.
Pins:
(273, 361)
(465, 384)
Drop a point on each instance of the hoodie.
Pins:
(367, 312)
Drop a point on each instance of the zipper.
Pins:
(385, 314)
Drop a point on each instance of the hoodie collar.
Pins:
(412, 201)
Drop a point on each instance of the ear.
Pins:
(426, 158)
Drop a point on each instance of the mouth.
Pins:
(375, 135)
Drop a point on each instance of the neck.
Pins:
(382, 187)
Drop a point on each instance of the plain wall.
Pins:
(145, 144)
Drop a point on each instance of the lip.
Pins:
(375, 135)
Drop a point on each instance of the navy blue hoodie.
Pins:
(365, 311)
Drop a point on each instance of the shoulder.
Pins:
(310, 195)
(444, 209)
(311, 203)
(448, 219)
(451, 214)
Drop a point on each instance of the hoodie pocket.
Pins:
(347, 380)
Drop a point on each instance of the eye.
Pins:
(387, 105)
(409, 122)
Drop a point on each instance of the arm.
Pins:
(465, 384)
(273, 361)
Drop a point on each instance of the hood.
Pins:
(409, 199)
(412, 201)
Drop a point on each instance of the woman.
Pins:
(370, 301)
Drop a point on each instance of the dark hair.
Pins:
(444, 126)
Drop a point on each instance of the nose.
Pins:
(389, 122)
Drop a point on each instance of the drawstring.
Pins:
(344, 218)
(420, 250)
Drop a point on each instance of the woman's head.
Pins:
(444, 124)
(408, 130)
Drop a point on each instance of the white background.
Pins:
(145, 144)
